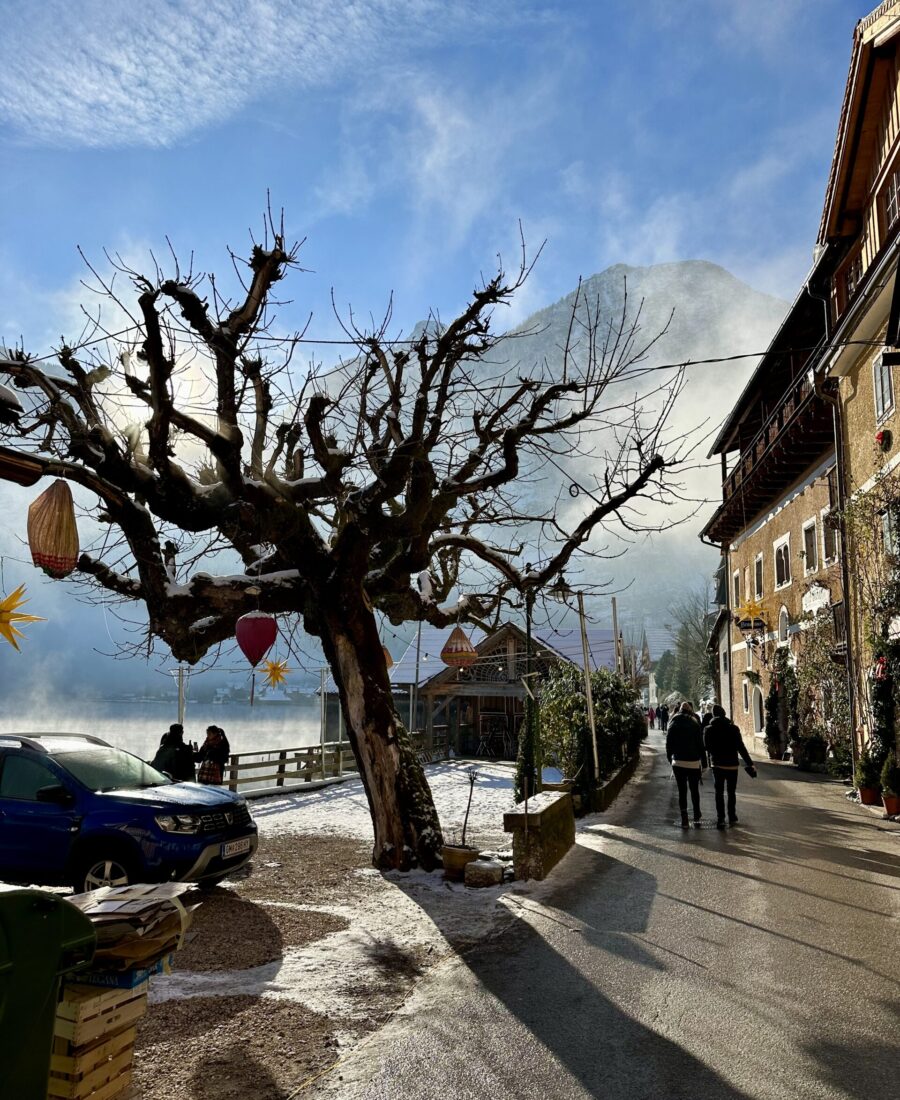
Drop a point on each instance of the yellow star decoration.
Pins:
(751, 610)
(276, 672)
(10, 615)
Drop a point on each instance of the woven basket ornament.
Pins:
(52, 532)
(458, 651)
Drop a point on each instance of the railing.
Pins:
(277, 767)
(789, 405)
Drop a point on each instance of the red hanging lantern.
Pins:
(458, 651)
(255, 633)
(881, 669)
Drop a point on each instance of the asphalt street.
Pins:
(763, 961)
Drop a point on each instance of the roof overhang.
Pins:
(867, 317)
(874, 43)
(19, 468)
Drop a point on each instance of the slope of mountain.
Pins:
(707, 313)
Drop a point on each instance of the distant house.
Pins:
(478, 710)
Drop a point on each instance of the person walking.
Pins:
(686, 754)
(174, 757)
(212, 756)
(663, 713)
(651, 714)
(722, 740)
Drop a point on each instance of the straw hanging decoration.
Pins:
(52, 532)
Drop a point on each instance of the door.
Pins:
(35, 837)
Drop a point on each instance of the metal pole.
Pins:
(414, 690)
(530, 724)
(589, 694)
(181, 694)
(323, 711)
(615, 624)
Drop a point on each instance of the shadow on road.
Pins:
(576, 1025)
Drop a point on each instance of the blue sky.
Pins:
(405, 139)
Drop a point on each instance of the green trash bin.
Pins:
(42, 938)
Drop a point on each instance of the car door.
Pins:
(35, 837)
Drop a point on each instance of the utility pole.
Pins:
(414, 690)
(587, 686)
(615, 624)
(323, 711)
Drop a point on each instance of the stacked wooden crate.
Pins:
(93, 1044)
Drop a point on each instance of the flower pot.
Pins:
(891, 804)
(455, 859)
(870, 796)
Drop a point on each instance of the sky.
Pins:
(405, 140)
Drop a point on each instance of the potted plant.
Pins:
(456, 856)
(890, 786)
(867, 778)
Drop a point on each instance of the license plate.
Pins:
(236, 847)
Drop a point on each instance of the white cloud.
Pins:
(111, 74)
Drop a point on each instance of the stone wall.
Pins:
(542, 836)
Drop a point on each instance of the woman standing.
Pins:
(212, 756)
(686, 754)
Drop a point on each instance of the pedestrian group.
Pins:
(178, 759)
(692, 744)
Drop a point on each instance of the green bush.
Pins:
(565, 730)
(867, 770)
(890, 777)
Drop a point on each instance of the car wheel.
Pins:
(103, 870)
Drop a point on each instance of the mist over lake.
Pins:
(137, 726)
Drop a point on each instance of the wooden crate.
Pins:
(93, 1045)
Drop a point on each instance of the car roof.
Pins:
(52, 743)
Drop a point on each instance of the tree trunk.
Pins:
(405, 822)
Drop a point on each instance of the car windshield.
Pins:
(108, 769)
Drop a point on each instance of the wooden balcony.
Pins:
(796, 434)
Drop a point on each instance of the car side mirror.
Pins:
(56, 795)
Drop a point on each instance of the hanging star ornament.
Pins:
(10, 616)
(276, 672)
(751, 615)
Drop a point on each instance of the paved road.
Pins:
(761, 962)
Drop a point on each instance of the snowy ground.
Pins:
(376, 933)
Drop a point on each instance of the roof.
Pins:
(658, 640)
(563, 643)
(858, 135)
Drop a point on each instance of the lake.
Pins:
(138, 726)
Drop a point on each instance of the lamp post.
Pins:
(528, 758)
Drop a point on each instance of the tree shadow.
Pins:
(565, 1016)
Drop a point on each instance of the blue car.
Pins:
(75, 810)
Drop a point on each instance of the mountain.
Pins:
(707, 314)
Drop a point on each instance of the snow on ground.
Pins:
(343, 809)
(411, 920)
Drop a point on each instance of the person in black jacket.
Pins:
(212, 756)
(174, 757)
(723, 741)
(685, 752)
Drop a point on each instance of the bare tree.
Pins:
(389, 483)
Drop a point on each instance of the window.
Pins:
(810, 548)
(853, 275)
(23, 778)
(758, 576)
(884, 388)
(784, 625)
(829, 536)
(746, 687)
(724, 661)
(892, 200)
(889, 533)
(759, 720)
(783, 562)
(736, 588)
(749, 649)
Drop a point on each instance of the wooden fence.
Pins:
(271, 769)
(286, 767)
